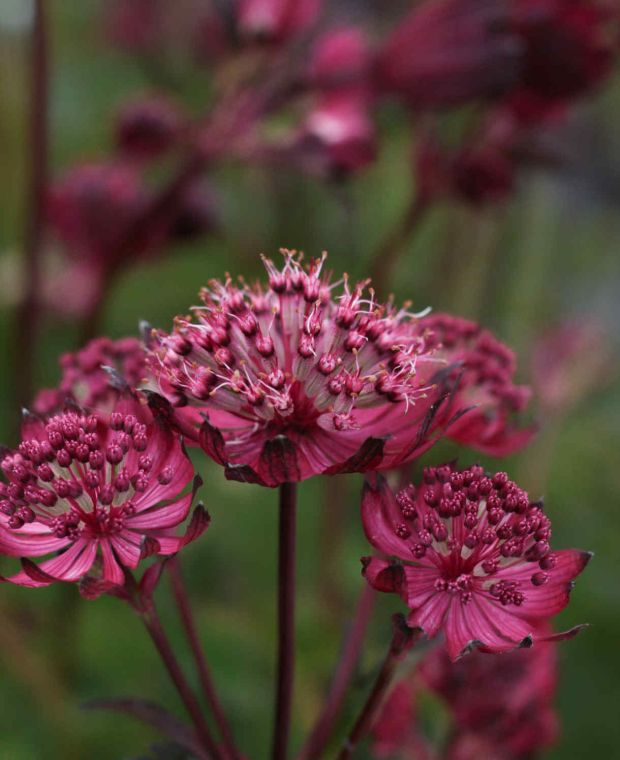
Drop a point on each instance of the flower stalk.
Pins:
(403, 639)
(341, 680)
(28, 310)
(286, 620)
(206, 682)
(148, 614)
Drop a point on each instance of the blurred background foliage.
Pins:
(548, 254)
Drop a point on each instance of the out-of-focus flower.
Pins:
(197, 213)
(338, 135)
(92, 207)
(92, 487)
(472, 558)
(394, 729)
(295, 381)
(135, 26)
(570, 363)
(84, 379)
(449, 52)
(275, 20)
(148, 127)
(505, 702)
(482, 370)
(568, 49)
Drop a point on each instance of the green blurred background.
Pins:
(550, 253)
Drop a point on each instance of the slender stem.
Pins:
(342, 677)
(402, 639)
(28, 310)
(387, 254)
(206, 681)
(286, 620)
(153, 625)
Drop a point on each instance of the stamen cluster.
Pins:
(89, 481)
(294, 360)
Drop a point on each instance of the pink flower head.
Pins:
(471, 558)
(568, 49)
(482, 371)
(507, 701)
(294, 380)
(148, 127)
(276, 20)
(449, 52)
(88, 486)
(338, 136)
(84, 379)
(92, 207)
(341, 58)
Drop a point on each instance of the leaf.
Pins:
(153, 715)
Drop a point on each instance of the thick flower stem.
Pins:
(387, 254)
(286, 620)
(27, 318)
(206, 682)
(153, 625)
(403, 638)
(343, 674)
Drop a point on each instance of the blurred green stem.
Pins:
(27, 317)
(345, 669)
(286, 620)
(206, 681)
(385, 259)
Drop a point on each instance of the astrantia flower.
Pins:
(482, 370)
(94, 486)
(84, 379)
(449, 52)
(275, 20)
(567, 50)
(471, 558)
(295, 380)
(507, 701)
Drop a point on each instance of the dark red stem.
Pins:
(28, 310)
(402, 639)
(387, 255)
(208, 687)
(150, 618)
(286, 620)
(342, 677)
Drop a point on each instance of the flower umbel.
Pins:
(294, 381)
(473, 558)
(84, 379)
(93, 485)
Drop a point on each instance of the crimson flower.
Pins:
(567, 50)
(295, 381)
(471, 558)
(448, 52)
(482, 371)
(89, 486)
(505, 702)
(84, 379)
(275, 20)
(148, 127)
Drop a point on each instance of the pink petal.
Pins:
(112, 571)
(166, 516)
(430, 617)
(126, 546)
(23, 545)
(68, 566)
(382, 575)
(420, 585)
(379, 516)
